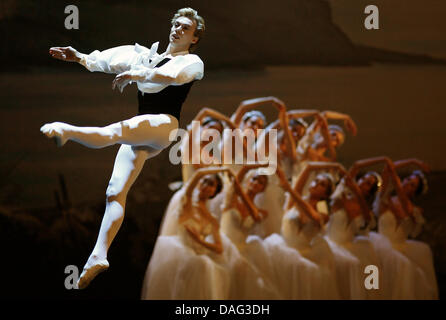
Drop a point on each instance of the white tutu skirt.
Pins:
(291, 275)
(271, 200)
(352, 255)
(408, 269)
(177, 271)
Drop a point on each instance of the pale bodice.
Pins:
(340, 229)
(236, 228)
(297, 234)
(399, 232)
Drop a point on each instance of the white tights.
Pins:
(141, 138)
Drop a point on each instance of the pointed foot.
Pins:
(92, 268)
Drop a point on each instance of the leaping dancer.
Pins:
(163, 81)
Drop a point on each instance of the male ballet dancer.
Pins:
(163, 81)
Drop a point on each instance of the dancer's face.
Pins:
(253, 123)
(320, 188)
(298, 131)
(257, 183)
(182, 32)
(410, 185)
(336, 137)
(216, 125)
(208, 187)
(366, 184)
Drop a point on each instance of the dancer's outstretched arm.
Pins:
(114, 60)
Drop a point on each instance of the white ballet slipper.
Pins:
(92, 268)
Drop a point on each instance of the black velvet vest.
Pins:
(169, 100)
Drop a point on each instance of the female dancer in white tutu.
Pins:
(183, 266)
(240, 223)
(347, 234)
(163, 82)
(321, 137)
(409, 262)
(210, 122)
(200, 262)
(303, 226)
(250, 122)
(240, 219)
(398, 276)
(246, 118)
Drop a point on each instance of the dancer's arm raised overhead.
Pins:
(349, 124)
(402, 197)
(406, 202)
(368, 162)
(314, 154)
(240, 177)
(208, 112)
(295, 198)
(412, 162)
(248, 204)
(250, 104)
(204, 218)
(360, 164)
(316, 166)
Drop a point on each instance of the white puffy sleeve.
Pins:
(183, 69)
(116, 60)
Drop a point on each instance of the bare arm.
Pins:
(316, 166)
(68, 54)
(208, 112)
(216, 247)
(360, 164)
(302, 113)
(247, 105)
(246, 201)
(349, 124)
(291, 145)
(295, 197)
(415, 162)
(351, 183)
(405, 201)
(190, 186)
(243, 171)
(325, 133)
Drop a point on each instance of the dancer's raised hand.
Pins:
(122, 80)
(65, 54)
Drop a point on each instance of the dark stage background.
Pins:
(309, 53)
